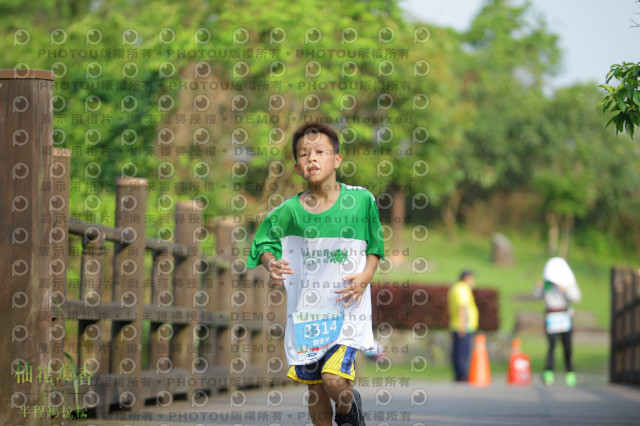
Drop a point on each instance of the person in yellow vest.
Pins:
(463, 322)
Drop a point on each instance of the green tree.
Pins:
(355, 64)
(510, 52)
(623, 100)
(582, 171)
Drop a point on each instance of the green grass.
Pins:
(448, 256)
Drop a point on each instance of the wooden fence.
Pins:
(154, 319)
(625, 326)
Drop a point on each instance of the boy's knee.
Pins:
(335, 384)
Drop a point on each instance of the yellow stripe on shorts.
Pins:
(334, 364)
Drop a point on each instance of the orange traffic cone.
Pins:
(519, 372)
(479, 373)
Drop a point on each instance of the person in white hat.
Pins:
(558, 288)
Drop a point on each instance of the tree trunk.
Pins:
(450, 211)
(630, 222)
(635, 236)
(398, 212)
(283, 185)
(552, 245)
(567, 227)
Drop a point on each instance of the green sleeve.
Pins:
(375, 243)
(265, 240)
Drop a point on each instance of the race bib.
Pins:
(558, 322)
(316, 331)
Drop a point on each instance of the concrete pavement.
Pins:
(411, 403)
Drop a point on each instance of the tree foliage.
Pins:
(201, 98)
(623, 100)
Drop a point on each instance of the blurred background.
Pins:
(476, 125)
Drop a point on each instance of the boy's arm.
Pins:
(275, 267)
(358, 282)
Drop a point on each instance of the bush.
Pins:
(404, 306)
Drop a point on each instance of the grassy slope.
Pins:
(448, 256)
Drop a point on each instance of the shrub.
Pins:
(404, 306)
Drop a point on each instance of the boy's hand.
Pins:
(276, 270)
(355, 289)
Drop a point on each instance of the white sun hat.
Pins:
(557, 271)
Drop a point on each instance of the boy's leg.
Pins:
(320, 409)
(340, 390)
(338, 375)
(348, 401)
(319, 403)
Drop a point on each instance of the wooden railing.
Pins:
(625, 326)
(154, 319)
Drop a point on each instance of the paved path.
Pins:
(416, 403)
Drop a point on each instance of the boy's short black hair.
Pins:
(307, 128)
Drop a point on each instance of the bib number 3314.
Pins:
(316, 331)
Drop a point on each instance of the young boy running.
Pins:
(323, 245)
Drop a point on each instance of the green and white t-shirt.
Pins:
(322, 248)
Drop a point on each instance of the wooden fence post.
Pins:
(222, 350)
(128, 290)
(244, 318)
(90, 332)
(260, 349)
(277, 366)
(26, 135)
(187, 285)
(60, 175)
(213, 374)
(161, 295)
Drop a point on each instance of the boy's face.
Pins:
(316, 159)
